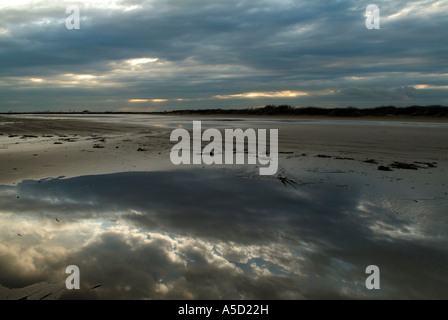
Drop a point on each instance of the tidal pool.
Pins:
(221, 234)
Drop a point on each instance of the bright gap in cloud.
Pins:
(138, 100)
(146, 100)
(109, 4)
(265, 94)
(429, 87)
(138, 61)
(419, 9)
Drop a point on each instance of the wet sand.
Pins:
(77, 190)
(40, 147)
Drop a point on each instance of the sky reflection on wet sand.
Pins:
(213, 234)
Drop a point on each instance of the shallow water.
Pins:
(223, 234)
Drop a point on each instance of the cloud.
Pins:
(384, 94)
(199, 50)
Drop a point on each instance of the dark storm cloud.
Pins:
(221, 48)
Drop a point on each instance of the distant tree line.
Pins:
(435, 111)
(384, 111)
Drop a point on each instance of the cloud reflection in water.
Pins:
(210, 234)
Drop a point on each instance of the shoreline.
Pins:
(240, 116)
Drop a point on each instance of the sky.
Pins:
(157, 55)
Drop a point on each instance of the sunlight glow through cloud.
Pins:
(141, 61)
(138, 100)
(268, 94)
(429, 87)
(106, 4)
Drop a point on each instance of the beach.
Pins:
(100, 192)
(52, 146)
